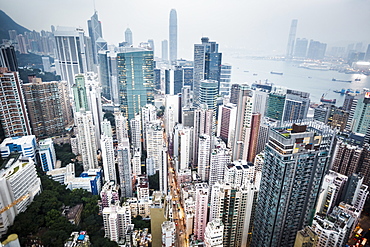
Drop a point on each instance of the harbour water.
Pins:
(316, 82)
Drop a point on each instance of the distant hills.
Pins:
(7, 23)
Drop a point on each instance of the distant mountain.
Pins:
(7, 24)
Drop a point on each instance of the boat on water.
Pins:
(255, 74)
(330, 101)
(340, 80)
(357, 79)
(276, 73)
(246, 71)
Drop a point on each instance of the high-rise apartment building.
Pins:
(8, 58)
(306, 237)
(124, 168)
(47, 155)
(204, 156)
(154, 142)
(347, 158)
(168, 234)
(296, 105)
(220, 157)
(135, 78)
(203, 122)
(74, 54)
(13, 111)
(121, 126)
(316, 50)
(296, 159)
(116, 221)
(243, 124)
(359, 120)
(226, 123)
(107, 152)
(201, 214)
(44, 104)
(95, 32)
(207, 65)
(173, 36)
(213, 236)
(300, 49)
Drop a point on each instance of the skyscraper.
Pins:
(291, 38)
(296, 159)
(165, 50)
(208, 91)
(225, 79)
(316, 50)
(8, 58)
(73, 53)
(95, 32)
(124, 168)
(173, 36)
(201, 204)
(135, 78)
(128, 37)
(13, 112)
(300, 49)
(207, 65)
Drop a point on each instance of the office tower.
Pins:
(208, 92)
(203, 122)
(19, 185)
(26, 145)
(135, 130)
(331, 192)
(291, 38)
(116, 221)
(73, 53)
(101, 46)
(203, 157)
(13, 112)
(168, 234)
(296, 159)
(226, 123)
(128, 37)
(157, 79)
(335, 229)
(225, 79)
(213, 236)
(47, 155)
(359, 119)
(300, 49)
(124, 168)
(86, 139)
(95, 32)
(234, 206)
(322, 112)
(296, 105)
(207, 65)
(107, 152)
(178, 79)
(201, 204)
(168, 81)
(367, 56)
(306, 238)
(65, 102)
(108, 75)
(275, 105)
(220, 157)
(234, 93)
(80, 94)
(135, 76)
(316, 50)
(173, 36)
(188, 76)
(186, 98)
(243, 124)
(164, 50)
(8, 58)
(44, 104)
(154, 142)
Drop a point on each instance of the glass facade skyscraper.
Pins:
(135, 78)
(296, 160)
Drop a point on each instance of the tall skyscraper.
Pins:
(154, 142)
(124, 168)
(73, 53)
(226, 123)
(173, 36)
(300, 49)
(95, 32)
(208, 92)
(296, 159)
(225, 79)
(107, 153)
(207, 65)
(13, 111)
(203, 157)
(291, 38)
(296, 105)
(201, 214)
(44, 101)
(165, 50)
(316, 50)
(128, 37)
(116, 221)
(135, 76)
(359, 120)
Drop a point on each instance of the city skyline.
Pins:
(250, 27)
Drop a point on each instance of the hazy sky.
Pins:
(258, 26)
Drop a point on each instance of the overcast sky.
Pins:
(257, 26)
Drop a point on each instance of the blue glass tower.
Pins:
(135, 78)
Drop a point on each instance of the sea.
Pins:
(318, 83)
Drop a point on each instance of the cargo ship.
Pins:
(276, 73)
(330, 101)
(340, 80)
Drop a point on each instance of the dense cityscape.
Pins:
(109, 145)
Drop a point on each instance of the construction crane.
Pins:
(14, 203)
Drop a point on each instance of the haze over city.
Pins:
(256, 27)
